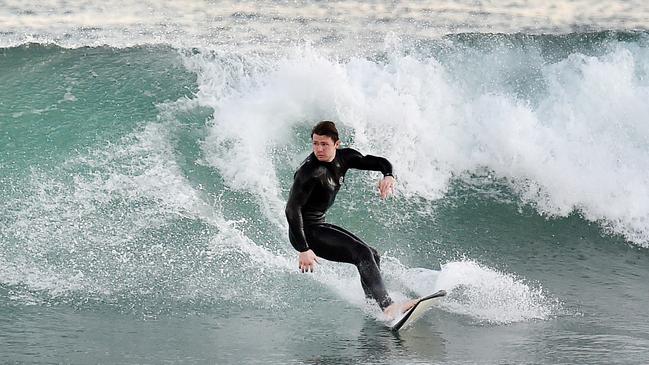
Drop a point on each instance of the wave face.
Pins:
(144, 171)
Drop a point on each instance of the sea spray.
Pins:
(492, 296)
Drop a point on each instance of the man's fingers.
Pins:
(385, 186)
(307, 261)
(307, 268)
(384, 191)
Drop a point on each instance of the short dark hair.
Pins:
(326, 128)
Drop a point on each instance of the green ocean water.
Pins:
(143, 191)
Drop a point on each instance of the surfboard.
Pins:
(418, 310)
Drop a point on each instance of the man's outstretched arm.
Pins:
(373, 163)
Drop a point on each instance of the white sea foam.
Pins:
(579, 146)
(481, 293)
(582, 149)
(478, 292)
(488, 295)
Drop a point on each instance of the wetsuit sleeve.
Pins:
(299, 195)
(356, 160)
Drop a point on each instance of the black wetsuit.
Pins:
(314, 190)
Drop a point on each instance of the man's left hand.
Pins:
(385, 186)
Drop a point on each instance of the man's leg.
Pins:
(336, 244)
(377, 259)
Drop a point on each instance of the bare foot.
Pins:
(395, 309)
(391, 311)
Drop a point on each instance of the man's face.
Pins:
(324, 147)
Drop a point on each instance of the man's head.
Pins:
(325, 141)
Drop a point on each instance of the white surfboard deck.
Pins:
(418, 310)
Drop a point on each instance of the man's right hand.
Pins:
(307, 261)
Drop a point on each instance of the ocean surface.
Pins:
(147, 150)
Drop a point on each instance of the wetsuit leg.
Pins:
(366, 288)
(377, 258)
(336, 244)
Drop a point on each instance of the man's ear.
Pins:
(337, 144)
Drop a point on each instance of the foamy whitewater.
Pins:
(570, 147)
(147, 151)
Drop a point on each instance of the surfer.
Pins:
(315, 185)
